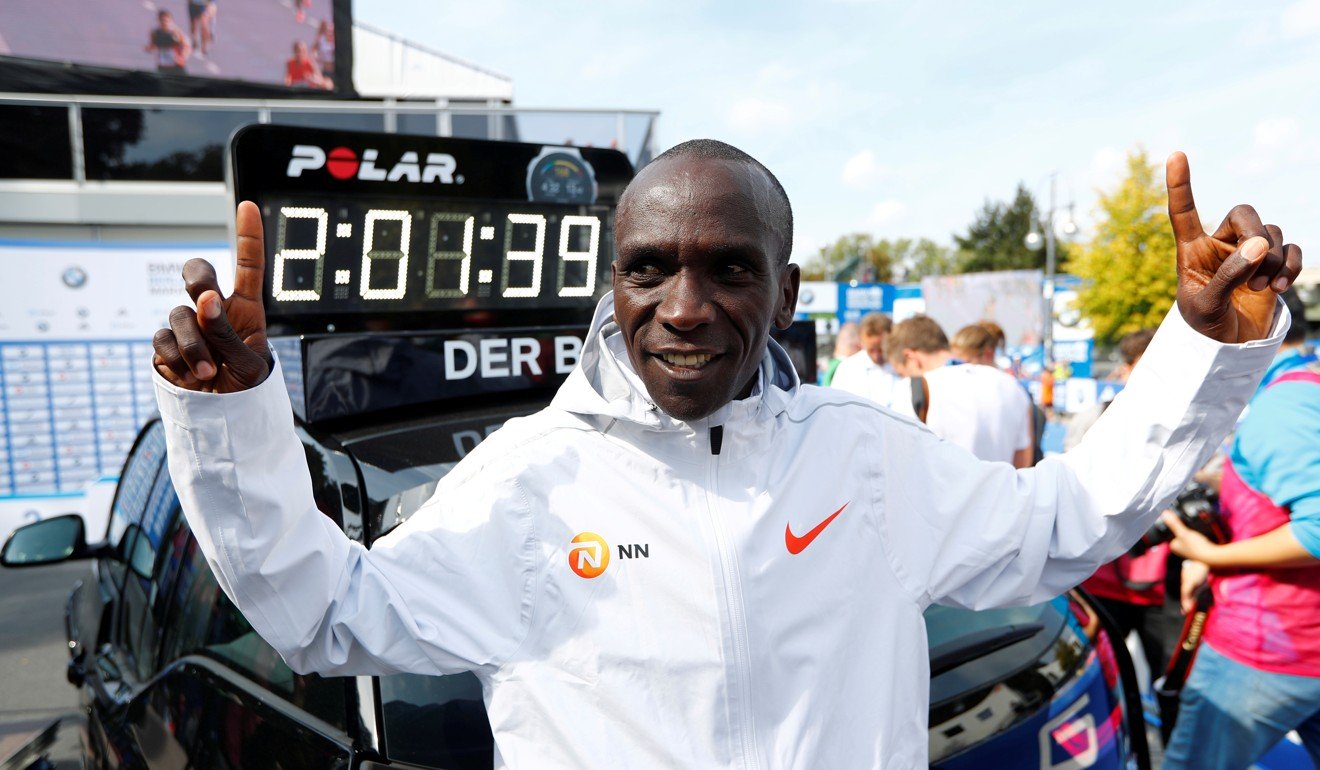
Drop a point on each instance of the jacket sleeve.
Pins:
(977, 534)
(447, 591)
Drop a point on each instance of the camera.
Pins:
(1198, 507)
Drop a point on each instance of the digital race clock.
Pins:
(388, 231)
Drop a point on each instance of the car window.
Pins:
(200, 619)
(141, 584)
(135, 484)
(436, 721)
(194, 718)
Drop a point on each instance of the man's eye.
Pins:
(644, 270)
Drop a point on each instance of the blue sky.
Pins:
(901, 120)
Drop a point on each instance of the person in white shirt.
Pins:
(975, 406)
(866, 373)
(979, 343)
(796, 534)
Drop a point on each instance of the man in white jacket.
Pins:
(794, 534)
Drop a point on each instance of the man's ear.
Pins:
(913, 361)
(790, 279)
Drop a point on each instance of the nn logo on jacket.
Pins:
(589, 554)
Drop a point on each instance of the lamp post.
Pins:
(1033, 242)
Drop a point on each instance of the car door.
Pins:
(220, 696)
(102, 660)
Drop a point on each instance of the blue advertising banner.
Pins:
(857, 300)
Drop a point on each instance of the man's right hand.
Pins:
(220, 346)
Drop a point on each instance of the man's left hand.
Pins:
(1227, 281)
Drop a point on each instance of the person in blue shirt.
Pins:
(1257, 674)
(1294, 353)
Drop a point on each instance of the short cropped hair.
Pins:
(1133, 346)
(876, 324)
(713, 149)
(920, 332)
(995, 331)
(974, 338)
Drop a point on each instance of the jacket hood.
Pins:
(605, 385)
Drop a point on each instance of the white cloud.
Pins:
(805, 247)
(1301, 19)
(1108, 165)
(861, 172)
(886, 211)
(756, 114)
(1276, 142)
(1277, 133)
(780, 100)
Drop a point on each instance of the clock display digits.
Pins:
(586, 256)
(371, 256)
(283, 254)
(535, 255)
(439, 256)
(338, 256)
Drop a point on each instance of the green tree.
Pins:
(1128, 266)
(996, 239)
(856, 255)
(923, 259)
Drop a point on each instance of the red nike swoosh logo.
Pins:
(797, 544)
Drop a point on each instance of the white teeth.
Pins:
(696, 360)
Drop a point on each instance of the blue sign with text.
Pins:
(856, 301)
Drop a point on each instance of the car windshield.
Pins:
(970, 650)
(948, 625)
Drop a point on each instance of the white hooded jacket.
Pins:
(764, 569)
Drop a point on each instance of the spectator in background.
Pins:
(1294, 354)
(866, 373)
(847, 342)
(977, 344)
(974, 406)
(302, 70)
(996, 333)
(323, 47)
(1130, 349)
(1257, 674)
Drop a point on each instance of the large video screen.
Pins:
(278, 43)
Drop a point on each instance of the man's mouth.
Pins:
(687, 360)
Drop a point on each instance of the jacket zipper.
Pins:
(734, 606)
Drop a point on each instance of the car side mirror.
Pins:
(49, 541)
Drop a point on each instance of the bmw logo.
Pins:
(807, 296)
(74, 277)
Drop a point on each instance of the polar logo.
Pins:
(344, 163)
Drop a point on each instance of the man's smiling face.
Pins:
(698, 280)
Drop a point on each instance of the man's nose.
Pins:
(687, 304)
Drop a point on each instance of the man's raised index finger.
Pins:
(1182, 207)
(251, 252)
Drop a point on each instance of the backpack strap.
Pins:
(920, 396)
